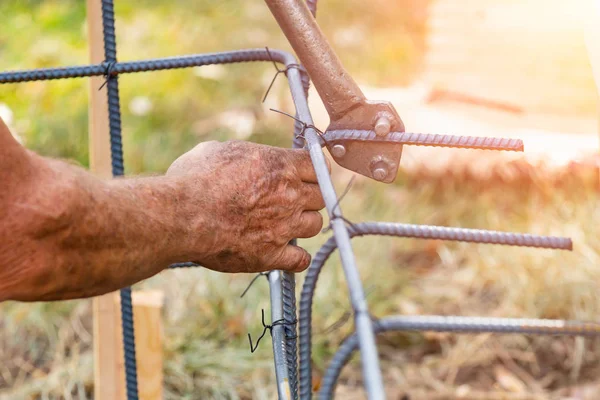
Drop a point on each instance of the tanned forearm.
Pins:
(71, 235)
(232, 207)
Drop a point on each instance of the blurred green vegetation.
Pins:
(380, 43)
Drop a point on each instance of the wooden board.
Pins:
(147, 323)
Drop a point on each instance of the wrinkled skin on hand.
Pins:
(255, 199)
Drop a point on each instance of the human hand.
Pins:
(245, 202)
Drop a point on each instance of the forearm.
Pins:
(232, 207)
(66, 234)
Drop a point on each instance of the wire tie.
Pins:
(305, 126)
(279, 71)
(252, 282)
(335, 214)
(109, 72)
(269, 328)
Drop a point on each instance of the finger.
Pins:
(300, 159)
(312, 198)
(310, 224)
(294, 259)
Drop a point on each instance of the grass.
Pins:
(45, 348)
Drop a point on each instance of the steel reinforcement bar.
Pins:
(453, 324)
(405, 231)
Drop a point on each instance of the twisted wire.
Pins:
(454, 324)
(428, 139)
(398, 230)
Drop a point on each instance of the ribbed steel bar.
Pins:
(428, 139)
(116, 151)
(454, 324)
(288, 282)
(278, 335)
(157, 64)
(363, 323)
(398, 230)
(288, 293)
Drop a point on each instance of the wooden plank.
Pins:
(108, 376)
(147, 310)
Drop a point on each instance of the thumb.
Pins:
(294, 259)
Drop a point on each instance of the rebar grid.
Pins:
(453, 324)
(405, 231)
(282, 284)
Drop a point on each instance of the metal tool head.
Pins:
(377, 160)
(345, 103)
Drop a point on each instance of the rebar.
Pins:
(428, 139)
(278, 334)
(116, 152)
(364, 325)
(405, 231)
(453, 324)
(157, 64)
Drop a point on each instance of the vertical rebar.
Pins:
(118, 169)
(278, 333)
(364, 325)
(288, 291)
(289, 279)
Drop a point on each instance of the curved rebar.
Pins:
(428, 139)
(397, 230)
(453, 324)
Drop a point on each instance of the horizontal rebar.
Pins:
(157, 64)
(398, 230)
(466, 235)
(454, 324)
(428, 139)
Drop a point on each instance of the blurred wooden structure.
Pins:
(526, 54)
(147, 308)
